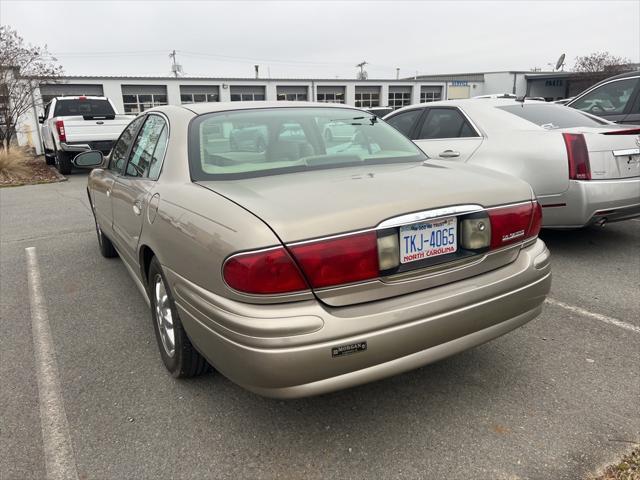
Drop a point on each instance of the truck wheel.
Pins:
(178, 354)
(63, 162)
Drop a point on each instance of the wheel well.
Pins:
(146, 254)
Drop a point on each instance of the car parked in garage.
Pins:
(77, 124)
(303, 268)
(583, 169)
(616, 99)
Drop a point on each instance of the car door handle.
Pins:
(449, 154)
(137, 207)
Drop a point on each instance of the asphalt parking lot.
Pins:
(553, 400)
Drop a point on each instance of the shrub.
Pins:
(13, 163)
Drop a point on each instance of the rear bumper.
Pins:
(593, 201)
(287, 350)
(103, 145)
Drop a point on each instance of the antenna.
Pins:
(560, 62)
(176, 68)
(363, 75)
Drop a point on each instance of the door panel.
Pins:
(446, 134)
(101, 187)
(129, 199)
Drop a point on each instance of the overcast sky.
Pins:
(322, 38)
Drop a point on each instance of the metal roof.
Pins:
(238, 79)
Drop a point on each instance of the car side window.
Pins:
(144, 146)
(445, 123)
(120, 149)
(405, 121)
(158, 154)
(608, 99)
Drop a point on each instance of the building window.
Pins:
(247, 93)
(199, 93)
(49, 91)
(430, 94)
(399, 97)
(199, 97)
(367, 97)
(138, 98)
(292, 93)
(330, 94)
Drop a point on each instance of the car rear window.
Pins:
(551, 116)
(86, 107)
(270, 141)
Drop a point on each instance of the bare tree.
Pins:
(22, 68)
(601, 62)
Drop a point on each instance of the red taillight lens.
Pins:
(536, 220)
(60, 128)
(578, 156)
(339, 260)
(270, 271)
(514, 224)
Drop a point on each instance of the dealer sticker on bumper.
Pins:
(343, 350)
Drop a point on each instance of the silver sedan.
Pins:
(311, 264)
(583, 169)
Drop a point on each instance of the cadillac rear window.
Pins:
(552, 116)
(270, 141)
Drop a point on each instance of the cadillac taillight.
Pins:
(578, 156)
(60, 129)
(514, 223)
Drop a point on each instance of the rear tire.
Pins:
(178, 354)
(63, 162)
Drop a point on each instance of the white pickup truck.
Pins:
(71, 125)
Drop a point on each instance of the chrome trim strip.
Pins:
(330, 237)
(429, 215)
(628, 151)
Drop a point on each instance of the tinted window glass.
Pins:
(144, 146)
(405, 121)
(119, 152)
(551, 116)
(608, 99)
(271, 141)
(445, 123)
(87, 107)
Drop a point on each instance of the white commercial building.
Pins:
(133, 94)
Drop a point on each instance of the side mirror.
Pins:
(41, 119)
(90, 159)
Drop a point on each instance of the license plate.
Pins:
(428, 239)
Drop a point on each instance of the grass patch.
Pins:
(19, 167)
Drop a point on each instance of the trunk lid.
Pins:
(614, 151)
(311, 205)
(307, 205)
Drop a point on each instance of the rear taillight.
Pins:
(269, 271)
(515, 223)
(60, 128)
(578, 156)
(339, 260)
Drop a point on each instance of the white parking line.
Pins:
(596, 316)
(58, 450)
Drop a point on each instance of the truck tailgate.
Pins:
(79, 130)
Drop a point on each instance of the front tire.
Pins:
(63, 162)
(178, 354)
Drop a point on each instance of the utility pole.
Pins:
(363, 74)
(176, 68)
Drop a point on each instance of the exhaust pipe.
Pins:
(602, 222)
